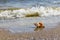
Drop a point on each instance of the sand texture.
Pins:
(49, 34)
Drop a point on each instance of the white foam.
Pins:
(43, 11)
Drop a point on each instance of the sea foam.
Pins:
(42, 11)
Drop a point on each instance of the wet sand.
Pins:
(49, 34)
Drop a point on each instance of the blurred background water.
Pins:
(29, 3)
(27, 24)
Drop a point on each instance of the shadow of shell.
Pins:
(38, 29)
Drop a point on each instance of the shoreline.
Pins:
(50, 34)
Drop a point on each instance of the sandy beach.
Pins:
(17, 18)
(49, 34)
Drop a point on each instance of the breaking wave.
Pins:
(41, 11)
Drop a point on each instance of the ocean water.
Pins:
(27, 24)
(15, 20)
(29, 3)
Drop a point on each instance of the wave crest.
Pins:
(41, 11)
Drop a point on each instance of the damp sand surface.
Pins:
(49, 34)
